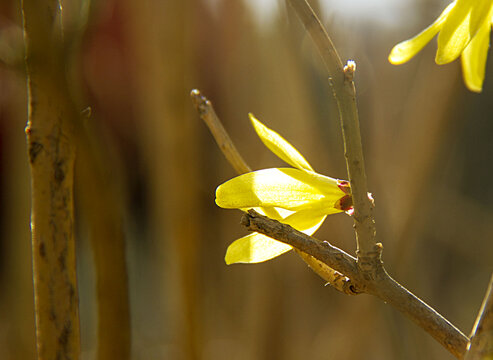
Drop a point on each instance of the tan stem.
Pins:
(333, 277)
(208, 115)
(51, 155)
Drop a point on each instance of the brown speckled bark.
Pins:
(51, 156)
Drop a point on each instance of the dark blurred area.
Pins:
(429, 160)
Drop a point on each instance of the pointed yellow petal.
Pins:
(405, 50)
(474, 59)
(255, 248)
(279, 146)
(286, 188)
(461, 25)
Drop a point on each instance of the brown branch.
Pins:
(323, 251)
(51, 154)
(423, 315)
(344, 92)
(382, 285)
(481, 347)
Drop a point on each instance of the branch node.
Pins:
(371, 263)
(245, 219)
(349, 70)
(201, 102)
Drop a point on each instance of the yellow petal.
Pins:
(255, 248)
(279, 146)
(405, 50)
(474, 59)
(305, 221)
(286, 188)
(460, 26)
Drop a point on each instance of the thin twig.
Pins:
(481, 346)
(208, 115)
(206, 112)
(344, 91)
(323, 251)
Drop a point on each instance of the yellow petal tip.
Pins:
(230, 257)
(218, 195)
(443, 59)
(398, 56)
(474, 88)
(255, 122)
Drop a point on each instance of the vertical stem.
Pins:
(481, 345)
(51, 155)
(368, 252)
(341, 80)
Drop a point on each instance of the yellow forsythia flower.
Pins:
(464, 30)
(296, 196)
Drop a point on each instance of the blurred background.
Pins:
(147, 169)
